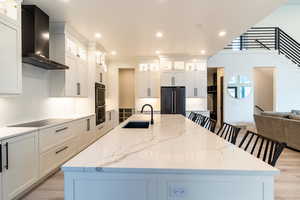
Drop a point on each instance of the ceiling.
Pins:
(189, 26)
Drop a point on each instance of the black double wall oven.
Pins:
(100, 103)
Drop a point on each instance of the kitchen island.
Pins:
(174, 159)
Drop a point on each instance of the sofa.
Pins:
(280, 126)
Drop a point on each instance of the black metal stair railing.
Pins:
(270, 38)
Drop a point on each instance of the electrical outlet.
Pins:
(177, 192)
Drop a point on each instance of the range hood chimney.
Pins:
(35, 39)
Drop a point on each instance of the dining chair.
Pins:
(209, 124)
(229, 132)
(192, 115)
(200, 119)
(262, 147)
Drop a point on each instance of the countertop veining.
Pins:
(172, 144)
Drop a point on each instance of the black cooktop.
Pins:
(42, 123)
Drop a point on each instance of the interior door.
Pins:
(167, 100)
(179, 100)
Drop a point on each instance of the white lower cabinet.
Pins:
(20, 164)
(54, 157)
(28, 158)
(110, 123)
(86, 132)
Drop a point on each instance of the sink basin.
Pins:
(137, 125)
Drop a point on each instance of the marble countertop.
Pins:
(173, 144)
(9, 132)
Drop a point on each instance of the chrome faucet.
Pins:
(152, 121)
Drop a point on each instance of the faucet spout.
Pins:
(152, 121)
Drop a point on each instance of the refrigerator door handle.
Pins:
(172, 103)
(175, 102)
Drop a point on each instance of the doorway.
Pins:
(215, 91)
(264, 87)
(126, 93)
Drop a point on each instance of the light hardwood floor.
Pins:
(287, 184)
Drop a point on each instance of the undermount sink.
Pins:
(139, 124)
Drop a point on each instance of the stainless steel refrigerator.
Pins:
(172, 100)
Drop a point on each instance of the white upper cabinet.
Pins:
(196, 84)
(148, 84)
(67, 49)
(10, 48)
(9, 10)
(173, 78)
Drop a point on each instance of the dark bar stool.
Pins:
(263, 148)
(209, 124)
(229, 132)
(192, 115)
(200, 119)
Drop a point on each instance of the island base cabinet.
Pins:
(20, 164)
(165, 186)
(95, 186)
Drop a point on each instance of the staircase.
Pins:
(270, 38)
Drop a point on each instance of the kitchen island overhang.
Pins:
(173, 159)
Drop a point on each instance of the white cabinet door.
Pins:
(71, 79)
(10, 60)
(143, 84)
(154, 84)
(173, 79)
(196, 85)
(148, 84)
(82, 77)
(86, 132)
(20, 160)
(200, 82)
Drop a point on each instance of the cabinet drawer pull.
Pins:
(195, 92)
(61, 150)
(60, 130)
(1, 158)
(78, 89)
(88, 128)
(6, 145)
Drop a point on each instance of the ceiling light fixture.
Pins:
(157, 52)
(159, 34)
(203, 52)
(222, 33)
(113, 53)
(98, 35)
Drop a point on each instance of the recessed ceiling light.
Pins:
(157, 51)
(98, 35)
(113, 53)
(159, 34)
(203, 52)
(222, 33)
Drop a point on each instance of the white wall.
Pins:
(287, 79)
(285, 17)
(34, 103)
